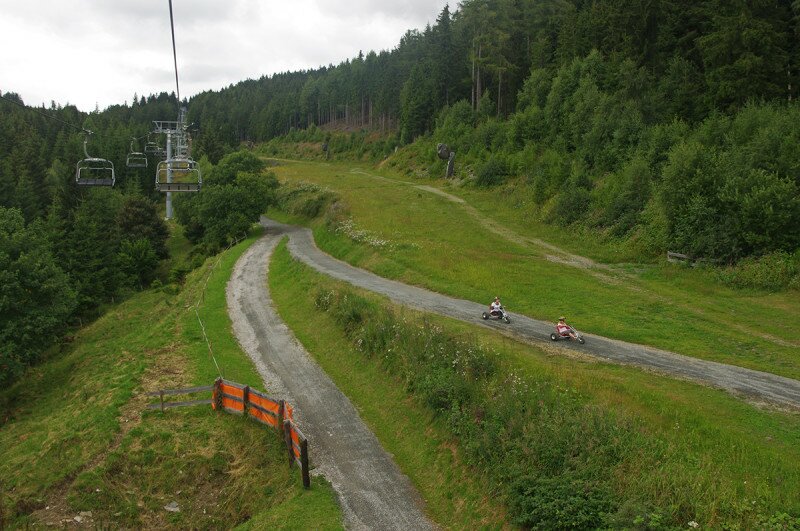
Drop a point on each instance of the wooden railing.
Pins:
(240, 399)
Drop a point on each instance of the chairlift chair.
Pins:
(136, 159)
(151, 146)
(94, 171)
(186, 175)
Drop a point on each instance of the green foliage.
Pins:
(771, 272)
(231, 201)
(92, 248)
(551, 456)
(36, 298)
(229, 168)
(731, 191)
(138, 217)
(418, 103)
(559, 503)
(626, 196)
(492, 172)
(68, 436)
(138, 261)
(779, 522)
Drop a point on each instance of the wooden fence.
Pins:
(240, 399)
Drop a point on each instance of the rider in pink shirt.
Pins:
(564, 329)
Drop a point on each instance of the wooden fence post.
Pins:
(281, 406)
(161, 395)
(304, 463)
(217, 394)
(287, 435)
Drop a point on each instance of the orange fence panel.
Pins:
(240, 399)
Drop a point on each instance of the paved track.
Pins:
(372, 491)
(751, 384)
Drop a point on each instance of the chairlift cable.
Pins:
(174, 53)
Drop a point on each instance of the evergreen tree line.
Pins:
(672, 124)
(696, 58)
(581, 150)
(66, 251)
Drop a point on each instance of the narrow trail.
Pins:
(751, 384)
(373, 492)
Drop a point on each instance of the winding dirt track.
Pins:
(372, 491)
(751, 384)
(374, 494)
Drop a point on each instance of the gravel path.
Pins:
(753, 385)
(372, 491)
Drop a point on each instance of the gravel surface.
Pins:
(374, 494)
(372, 491)
(753, 385)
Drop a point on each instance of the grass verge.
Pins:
(602, 444)
(77, 445)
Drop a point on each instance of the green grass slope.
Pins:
(77, 442)
(403, 232)
(625, 448)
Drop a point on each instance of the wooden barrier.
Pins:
(677, 257)
(239, 399)
(189, 390)
(297, 444)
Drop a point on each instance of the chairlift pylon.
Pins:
(136, 159)
(94, 171)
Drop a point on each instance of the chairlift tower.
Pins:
(178, 162)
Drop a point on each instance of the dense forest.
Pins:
(67, 251)
(675, 58)
(672, 124)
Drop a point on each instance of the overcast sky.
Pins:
(101, 52)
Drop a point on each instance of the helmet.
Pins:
(561, 318)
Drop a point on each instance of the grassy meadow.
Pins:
(655, 452)
(485, 247)
(77, 441)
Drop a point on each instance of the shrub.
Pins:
(560, 502)
(304, 199)
(493, 172)
(571, 205)
(771, 272)
(552, 457)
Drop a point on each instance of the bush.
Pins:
(304, 199)
(493, 172)
(36, 296)
(771, 272)
(560, 502)
(223, 212)
(571, 205)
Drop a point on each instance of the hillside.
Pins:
(78, 442)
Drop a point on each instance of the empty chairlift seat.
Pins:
(178, 175)
(94, 171)
(151, 146)
(136, 159)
